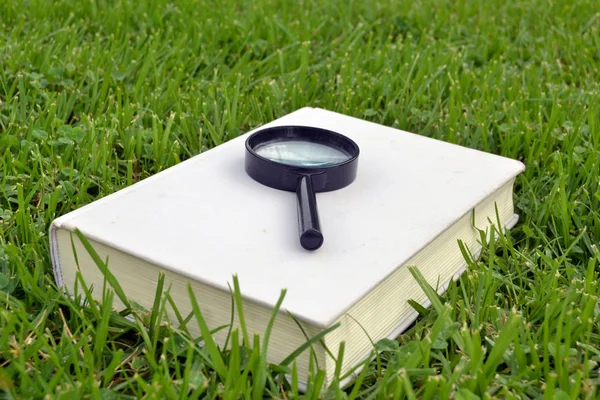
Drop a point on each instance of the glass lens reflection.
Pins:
(302, 154)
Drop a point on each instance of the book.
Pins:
(205, 220)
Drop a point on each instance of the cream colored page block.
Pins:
(139, 279)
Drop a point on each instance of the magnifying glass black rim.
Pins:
(280, 175)
(307, 134)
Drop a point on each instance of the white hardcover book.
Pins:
(205, 220)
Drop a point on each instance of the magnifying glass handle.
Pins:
(309, 227)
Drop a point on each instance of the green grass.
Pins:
(97, 95)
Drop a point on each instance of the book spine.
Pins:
(54, 254)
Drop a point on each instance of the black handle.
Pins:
(309, 227)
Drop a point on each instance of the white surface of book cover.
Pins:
(206, 219)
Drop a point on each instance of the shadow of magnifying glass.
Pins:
(305, 160)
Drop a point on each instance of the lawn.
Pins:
(96, 95)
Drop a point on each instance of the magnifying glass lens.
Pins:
(300, 153)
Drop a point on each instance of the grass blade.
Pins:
(112, 281)
(209, 343)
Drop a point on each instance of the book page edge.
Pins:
(400, 328)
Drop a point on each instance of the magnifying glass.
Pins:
(305, 160)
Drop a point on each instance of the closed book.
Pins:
(205, 220)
